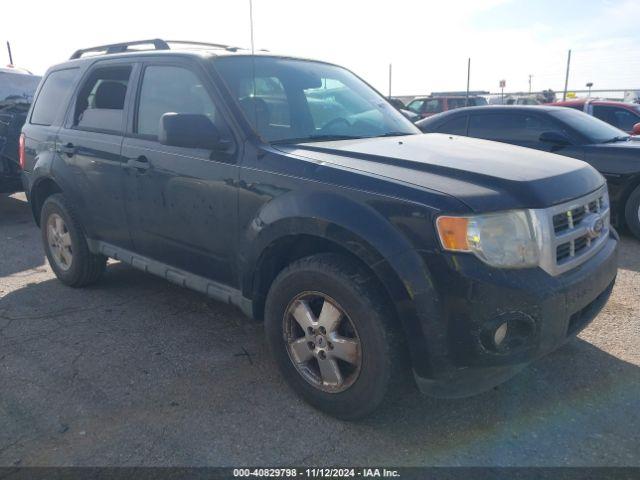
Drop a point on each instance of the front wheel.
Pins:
(333, 335)
(632, 212)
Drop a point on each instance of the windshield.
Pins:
(17, 86)
(596, 131)
(296, 101)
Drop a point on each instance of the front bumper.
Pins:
(542, 311)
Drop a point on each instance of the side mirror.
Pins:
(636, 129)
(554, 138)
(189, 130)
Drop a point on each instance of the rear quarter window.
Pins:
(55, 88)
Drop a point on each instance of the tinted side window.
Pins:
(416, 106)
(509, 127)
(433, 106)
(453, 103)
(55, 88)
(100, 102)
(624, 119)
(166, 89)
(603, 113)
(455, 126)
(477, 101)
(618, 117)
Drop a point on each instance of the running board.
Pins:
(212, 289)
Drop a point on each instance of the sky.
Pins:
(427, 42)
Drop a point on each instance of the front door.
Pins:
(181, 202)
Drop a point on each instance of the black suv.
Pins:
(295, 191)
(16, 93)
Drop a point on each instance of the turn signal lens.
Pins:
(453, 233)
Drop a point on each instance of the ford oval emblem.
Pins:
(595, 227)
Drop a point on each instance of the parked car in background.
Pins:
(16, 94)
(563, 131)
(514, 100)
(368, 249)
(624, 116)
(427, 106)
(396, 102)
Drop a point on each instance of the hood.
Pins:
(487, 176)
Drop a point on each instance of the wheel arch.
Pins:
(43, 188)
(286, 249)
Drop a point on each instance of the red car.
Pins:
(625, 116)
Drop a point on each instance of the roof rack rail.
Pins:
(158, 44)
(205, 44)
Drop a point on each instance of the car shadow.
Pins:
(20, 247)
(145, 362)
(629, 256)
(14, 209)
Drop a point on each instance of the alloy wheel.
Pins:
(322, 342)
(59, 240)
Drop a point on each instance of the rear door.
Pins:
(181, 202)
(47, 115)
(90, 144)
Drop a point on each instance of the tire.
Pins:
(66, 244)
(632, 212)
(367, 382)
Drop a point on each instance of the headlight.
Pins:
(504, 239)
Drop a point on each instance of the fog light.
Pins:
(500, 334)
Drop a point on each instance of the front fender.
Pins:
(378, 230)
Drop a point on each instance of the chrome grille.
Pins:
(571, 233)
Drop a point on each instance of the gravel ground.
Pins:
(137, 371)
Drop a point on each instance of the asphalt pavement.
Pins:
(136, 371)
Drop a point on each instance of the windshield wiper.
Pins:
(315, 138)
(619, 138)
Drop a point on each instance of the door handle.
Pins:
(141, 164)
(69, 149)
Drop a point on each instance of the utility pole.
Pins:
(390, 74)
(530, 83)
(9, 50)
(566, 78)
(466, 102)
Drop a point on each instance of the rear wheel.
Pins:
(66, 245)
(632, 212)
(332, 334)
